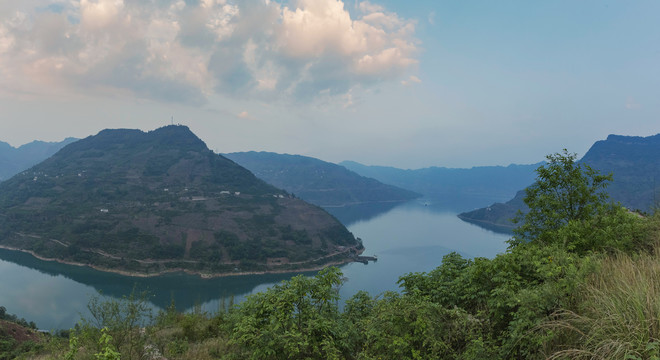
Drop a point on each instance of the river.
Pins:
(410, 237)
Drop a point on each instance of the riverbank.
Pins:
(489, 225)
(202, 274)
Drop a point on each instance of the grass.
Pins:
(619, 315)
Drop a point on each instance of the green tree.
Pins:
(297, 319)
(108, 352)
(413, 327)
(121, 319)
(565, 192)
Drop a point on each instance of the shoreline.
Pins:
(357, 203)
(489, 225)
(186, 271)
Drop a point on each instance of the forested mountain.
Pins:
(580, 287)
(14, 160)
(467, 188)
(634, 162)
(149, 202)
(319, 182)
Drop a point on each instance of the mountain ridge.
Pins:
(467, 187)
(15, 159)
(634, 162)
(322, 183)
(157, 201)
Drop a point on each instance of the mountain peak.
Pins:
(633, 139)
(170, 136)
(151, 202)
(178, 135)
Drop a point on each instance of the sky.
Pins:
(409, 84)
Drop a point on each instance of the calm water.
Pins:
(407, 238)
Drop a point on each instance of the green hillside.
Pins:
(126, 200)
(634, 162)
(14, 160)
(319, 182)
(579, 281)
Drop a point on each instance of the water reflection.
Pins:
(410, 237)
(349, 215)
(456, 203)
(175, 286)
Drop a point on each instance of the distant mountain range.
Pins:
(465, 188)
(319, 182)
(126, 200)
(633, 161)
(14, 160)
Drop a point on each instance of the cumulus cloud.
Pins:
(175, 50)
(101, 14)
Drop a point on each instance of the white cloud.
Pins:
(391, 60)
(220, 19)
(367, 7)
(100, 14)
(6, 40)
(184, 52)
(411, 80)
(318, 27)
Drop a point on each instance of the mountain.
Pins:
(464, 188)
(14, 160)
(497, 217)
(634, 162)
(126, 200)
(319, 182)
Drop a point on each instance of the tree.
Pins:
(296, 319)
(565, 192)
(120, 320)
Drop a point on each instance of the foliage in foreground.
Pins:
(531, 302)
(569, 286)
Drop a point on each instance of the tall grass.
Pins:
(619, 315)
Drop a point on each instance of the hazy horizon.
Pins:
(335, 162)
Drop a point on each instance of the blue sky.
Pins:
(407, 84)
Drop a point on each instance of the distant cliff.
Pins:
(144, 203)
(319, 182)
(634, 161)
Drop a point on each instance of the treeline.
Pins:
(10, 324)
(581, 279)
(4, 315)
